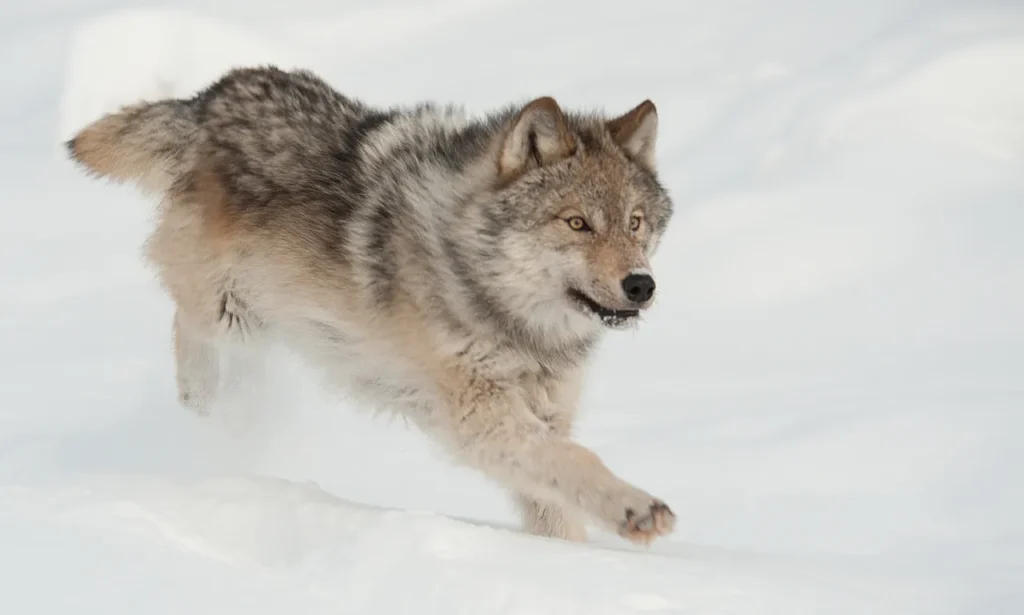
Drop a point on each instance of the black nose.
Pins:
(639, 287)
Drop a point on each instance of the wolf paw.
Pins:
(643, 526)
(198, 403)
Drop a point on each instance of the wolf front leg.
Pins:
(551, 519)
(494, 429)
(554, 400)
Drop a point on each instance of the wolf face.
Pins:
(576, 219)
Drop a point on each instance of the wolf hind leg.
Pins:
(213, 346)
(197, 364)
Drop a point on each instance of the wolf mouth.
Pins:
(607, 315)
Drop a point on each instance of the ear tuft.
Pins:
(637, 132)
(538, 136)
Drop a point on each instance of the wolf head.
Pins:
(575, 216)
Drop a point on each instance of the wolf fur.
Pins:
(459, 271)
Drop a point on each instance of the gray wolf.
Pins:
(457, 271)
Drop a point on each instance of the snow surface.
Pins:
(830, 393)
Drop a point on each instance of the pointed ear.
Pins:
(538, 136)
(637, 132)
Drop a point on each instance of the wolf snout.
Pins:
(639, 287)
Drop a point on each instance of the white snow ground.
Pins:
(830, 393)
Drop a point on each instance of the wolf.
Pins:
(458, 271)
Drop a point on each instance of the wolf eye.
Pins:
(577, 223)
(634, 223)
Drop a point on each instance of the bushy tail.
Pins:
(150, 144)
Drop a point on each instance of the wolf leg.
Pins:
(561, 470)
(201, 331)
(559, 400)
(493, 428)
(548, 518)
(198, 367)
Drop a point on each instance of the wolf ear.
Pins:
(637, 132)
(538, 136)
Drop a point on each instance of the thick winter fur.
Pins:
(459, 271)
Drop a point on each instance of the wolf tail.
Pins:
(151, 144)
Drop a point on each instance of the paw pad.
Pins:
(644, 527)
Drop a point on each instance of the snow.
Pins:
(829, 393)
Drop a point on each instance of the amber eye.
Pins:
(577, 223)
(634, 223)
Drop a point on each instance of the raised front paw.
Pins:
(645, 524)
